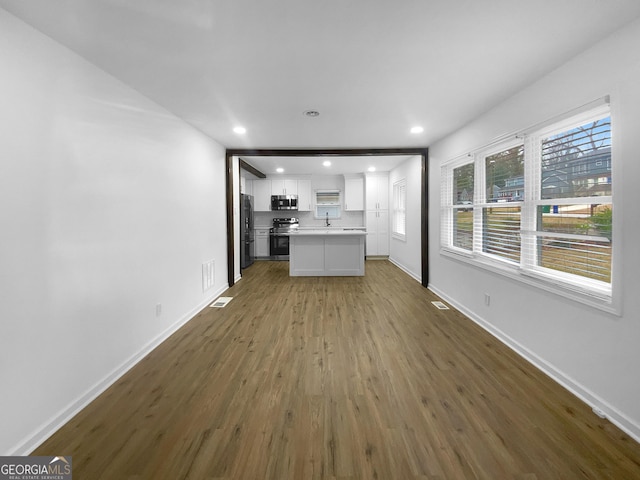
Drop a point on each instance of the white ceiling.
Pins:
(372, 68)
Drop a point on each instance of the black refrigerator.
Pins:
(246, 231)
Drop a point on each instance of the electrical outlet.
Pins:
(158, 309)
(487, 299)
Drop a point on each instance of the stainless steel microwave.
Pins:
(284, 202)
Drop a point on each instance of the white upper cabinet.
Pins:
(377, 191)
(353, 193)
(304, 196)
(262, 195)
(282, 186)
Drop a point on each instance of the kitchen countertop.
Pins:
(322, 227)
(329, 231)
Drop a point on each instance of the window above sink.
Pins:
(327, 204)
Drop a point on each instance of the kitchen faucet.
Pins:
(328, 224)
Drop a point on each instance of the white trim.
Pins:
(570, 236)
(406, 270)
(565, 122)
(615, 416)
(574, 200)
(36, 438)
(593, 299)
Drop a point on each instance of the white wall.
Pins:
(110, 205)
(407, 253)
(595, 354)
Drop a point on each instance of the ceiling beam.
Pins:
(323, 152)
(251, 169)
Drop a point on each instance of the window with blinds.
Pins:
(539, 203)
(399, 222)
(463, 188)
(327, 204)
(499, 218)
(573, 235)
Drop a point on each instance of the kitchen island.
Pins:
(337, 252)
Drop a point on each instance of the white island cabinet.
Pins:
(327, 253)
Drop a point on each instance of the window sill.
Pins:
(593, 298)
(399, 236)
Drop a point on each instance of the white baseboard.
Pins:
(36, 438)
(616, 417)
(406, 270)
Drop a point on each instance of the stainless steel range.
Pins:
(279, 237)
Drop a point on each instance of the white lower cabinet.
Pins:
(261, 242)
(320, 254)
(377, 232)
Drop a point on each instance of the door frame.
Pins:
(424, 194)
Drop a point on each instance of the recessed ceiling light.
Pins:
(311, 113)
(326, 163)
(279, 169)
(372, 169)
(417, 129)
(240, 130)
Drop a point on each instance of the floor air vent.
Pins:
(221, 302)
(440, 306)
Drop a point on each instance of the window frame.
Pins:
(447, 199)
(600, 294)
(399, 209)
(320, 204)
(481, 203)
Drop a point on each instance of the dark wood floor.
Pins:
(338, 378)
